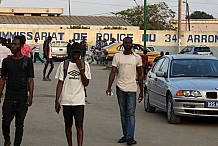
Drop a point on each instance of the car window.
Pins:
(151, 48)
(137, 48)
(59, 44)
(202, 49)
(120, 48)
(184, 49)
(157, 65)
(194, 68)
(164, 66)
(189, 49)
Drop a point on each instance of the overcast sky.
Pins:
(104, 7)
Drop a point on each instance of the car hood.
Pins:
(196, 83)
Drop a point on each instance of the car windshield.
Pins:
(59, 44)
(194, 68)
(202, 49)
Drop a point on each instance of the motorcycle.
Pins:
(93, 55)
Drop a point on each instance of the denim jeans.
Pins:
(127, 104)
(11, 109)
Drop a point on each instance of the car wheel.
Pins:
(171, 117)
(88, 58)
(147, 106)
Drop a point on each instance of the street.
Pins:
(44, 127)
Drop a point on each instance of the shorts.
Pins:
(73, 111)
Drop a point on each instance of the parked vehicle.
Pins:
(196, 50)
(92, 55)
(112, 49)
(183, 85)
(59, 49)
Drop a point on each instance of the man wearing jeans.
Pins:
(18, 72)
(126, 64)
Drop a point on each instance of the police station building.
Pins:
(39, 23)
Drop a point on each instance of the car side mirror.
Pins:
(161, 74)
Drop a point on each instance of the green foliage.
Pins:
(200, 15)
(157, 16)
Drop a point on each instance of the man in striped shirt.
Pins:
(36, 52)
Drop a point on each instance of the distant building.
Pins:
(198, 24)
(12, 17)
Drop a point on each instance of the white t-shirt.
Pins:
(126, 65)
(73, 89)
(4, 52)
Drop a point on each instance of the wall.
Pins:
(161, 40)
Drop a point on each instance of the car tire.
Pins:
(147, 105)
(88, 58)
(171, 117)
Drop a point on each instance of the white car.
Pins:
(59, 49)
(183, 85)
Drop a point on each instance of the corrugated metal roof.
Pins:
(65, 20)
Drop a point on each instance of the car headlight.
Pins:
(188, 93)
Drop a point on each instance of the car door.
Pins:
(161, 84)
(151, 83)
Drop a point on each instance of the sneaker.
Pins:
(131, 141)
(122, 140)
(7, 143)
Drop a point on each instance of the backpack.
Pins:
(66, 64)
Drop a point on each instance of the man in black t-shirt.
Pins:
(18, 71)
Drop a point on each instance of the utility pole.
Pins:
(186, 11)
(69, 7)
(189, 27)
(179, 23)
(145, 23)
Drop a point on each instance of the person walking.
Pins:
(69, 45)
(159, 57)
(145, 63)
(98, 46)
(126, 64)
(84, 47)
(36, 49)
(70, 92)
(113, 40)
(48, 58)
(26, 50)
(18, 72)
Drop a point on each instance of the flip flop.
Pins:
(44, 79)
(48, 79)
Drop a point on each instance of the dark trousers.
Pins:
(36, 56)
(11, 109)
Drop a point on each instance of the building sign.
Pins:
(156, 38)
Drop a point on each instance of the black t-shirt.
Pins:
(17, 71)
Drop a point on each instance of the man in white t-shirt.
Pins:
(70, 93)
(127, 65)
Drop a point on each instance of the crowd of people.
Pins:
(73, 73)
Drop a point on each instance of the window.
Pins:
(202, 49)
(120, 48)
(165, 65)
(158, 65)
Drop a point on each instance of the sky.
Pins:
(104, 7)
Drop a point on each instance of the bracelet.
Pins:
(81, 69)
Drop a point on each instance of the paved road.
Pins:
(43, 127)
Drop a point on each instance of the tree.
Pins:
(200, 15)
(157, 16)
